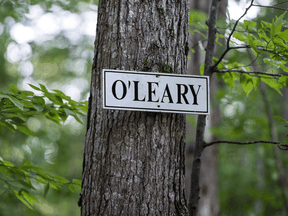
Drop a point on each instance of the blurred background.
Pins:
(52, 43)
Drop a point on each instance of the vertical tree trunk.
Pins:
(208, 203)
(134, 161)
(201, 123)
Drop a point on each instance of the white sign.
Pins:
(155, 92)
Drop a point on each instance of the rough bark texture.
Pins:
(134, 161)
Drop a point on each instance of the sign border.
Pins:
(153, 109)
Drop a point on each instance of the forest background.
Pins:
(51, 43)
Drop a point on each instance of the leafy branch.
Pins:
(228, 48)
(16, 107)
(22, 176)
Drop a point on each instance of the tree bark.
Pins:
(134, 161)
(201, 123)
(208, 203)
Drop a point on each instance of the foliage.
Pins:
(253, 169)
(23, 180)
(16, 108)
(30, 179)
(267, 39)
(41, 134)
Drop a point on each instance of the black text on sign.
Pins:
(155, 92)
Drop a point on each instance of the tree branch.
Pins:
(250, 72)
(272, 7)
(228, 48)
(243, 143)
(241, 47)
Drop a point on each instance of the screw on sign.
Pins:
(156, 92)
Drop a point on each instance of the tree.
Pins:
(134, 161)
(268, 40)
(27, 176)
(208, 204)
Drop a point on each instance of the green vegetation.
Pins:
(249, 176)
(43, 129)
(45, 71)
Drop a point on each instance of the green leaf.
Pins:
(27, 93)
(30, 198)
(25, 130)
(43, 88)
(27, 104)
(42, 174)
(84, 108)
(272, 30)
(272, 83)
(256, 82)
(26, 184)
(262, 34)
(283, 35)
(239, 36)
(62, 114)
(55, 185)
(38, 107)
(17, 120)
(41, 180)
(78, 183)
(278, 23)
(251, 42)
(22, 200)
(27, 163)
(249, 24)
(46, 189)
(13, 89)
(10, 126)
(61, 179)
(62, 95)
(72, 187)
(282, 81)
(247, 83)
(13, 100)
(72, 113)
(282, 65)
(7, 163)
(192, 50)
(34, 87)
(202, 69)
(4, 169)
(229, 79)
(56, 99)
(282, 120)
(39, 100)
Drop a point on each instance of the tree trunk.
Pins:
(201, 123)
(134, 161)
(208, 203)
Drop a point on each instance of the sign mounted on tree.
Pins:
(155, 92)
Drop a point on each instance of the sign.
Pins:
(155, 92)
